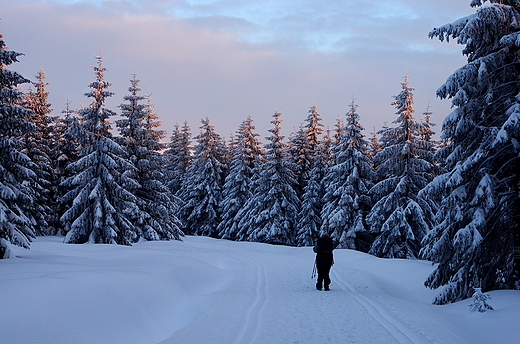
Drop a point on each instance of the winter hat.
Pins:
(324, 235)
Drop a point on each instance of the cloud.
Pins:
(228, 59)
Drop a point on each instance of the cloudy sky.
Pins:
(227, 59)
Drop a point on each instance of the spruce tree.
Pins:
(309, 219)
(339, 131)
(16, 169)
(375, 144)
(427, 131)
(201, 191)
(400, 218)
(270, 215)
(313, 129)
(67, 133)
(306, 155)
(101, 209)
(477, 226)
(243, 174)
(304, 148)
(178, 157)
(140, 139)
(297, 150)
(346, 185)
(327, 143)
(37, 146)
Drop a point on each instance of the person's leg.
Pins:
(321, 276)
(326, 277)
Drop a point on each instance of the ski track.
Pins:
(251, 328)
(399, 332)
(253, 280)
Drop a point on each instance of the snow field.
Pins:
(205, 290)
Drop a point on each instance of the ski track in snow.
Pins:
(251, 327)
(399, 332)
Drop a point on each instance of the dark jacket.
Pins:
(323, 250)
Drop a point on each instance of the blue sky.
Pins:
(226, 59)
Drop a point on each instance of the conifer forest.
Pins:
(113, 176)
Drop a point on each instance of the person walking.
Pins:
(324, 260)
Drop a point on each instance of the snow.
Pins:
(205, 290)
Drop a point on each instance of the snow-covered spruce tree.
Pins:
(346, 200)
(296, 150)
(102, 209)
(201, 191)
(178, 157)
(37, 146)
(304, 148)
(427, 131)
(66, 134)
(16, 168)
(385, 138)
(270, 215)
(477, 225)
(327, 143)
(400, 218)
(339, 130)
(375, 145)
(243, 174)
(309, 219)
(479, 302)
(140, 140)
(313, 129)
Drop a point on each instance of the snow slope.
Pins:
(204, 290)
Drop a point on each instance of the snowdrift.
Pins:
(205, 290)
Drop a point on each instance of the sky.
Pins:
(227, 59)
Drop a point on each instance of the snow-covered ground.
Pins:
(204, 290)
